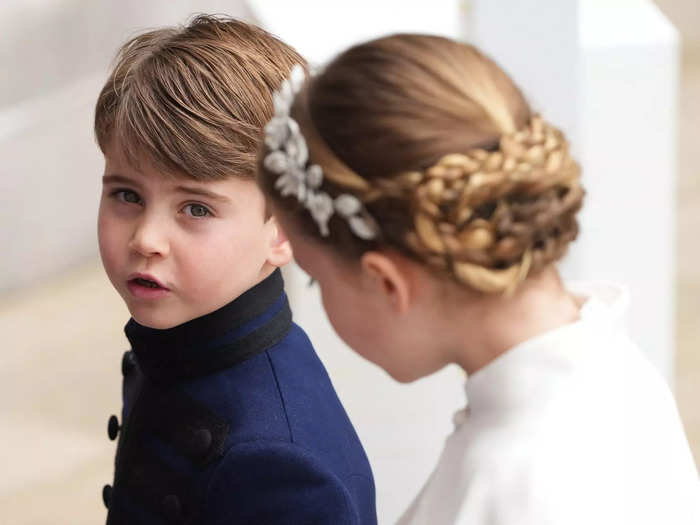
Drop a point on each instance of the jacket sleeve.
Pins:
(274, 484)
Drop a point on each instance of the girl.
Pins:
(430, 203)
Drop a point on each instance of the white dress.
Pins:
(571, 427)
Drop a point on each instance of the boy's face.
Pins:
(175, 248)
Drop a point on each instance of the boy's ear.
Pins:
(390, 277)
(279, 248)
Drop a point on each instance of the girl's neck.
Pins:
(484, 329)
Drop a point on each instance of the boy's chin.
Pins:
(158, 320)
(151, 322)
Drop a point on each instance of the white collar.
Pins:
(541, 362)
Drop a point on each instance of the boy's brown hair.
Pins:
(193, 100)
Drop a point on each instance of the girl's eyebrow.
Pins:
(194, 190)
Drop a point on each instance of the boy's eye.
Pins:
(127, 196)
(197, 210)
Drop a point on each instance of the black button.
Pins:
(201, 441)
(107, 495)
(128, 362)
(113, 427)
(171, 507)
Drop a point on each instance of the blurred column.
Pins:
(628, 118)
(607, 73)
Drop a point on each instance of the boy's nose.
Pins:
(149, 240)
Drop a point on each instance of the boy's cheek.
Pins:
(108, 241)
(103, 220)
(227, 267)
(105, 236)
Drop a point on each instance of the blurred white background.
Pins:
(616, 75)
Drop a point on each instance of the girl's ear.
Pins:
(390, 277)
(279, 249)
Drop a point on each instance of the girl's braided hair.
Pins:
(446, 156)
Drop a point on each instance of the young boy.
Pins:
(228, 416)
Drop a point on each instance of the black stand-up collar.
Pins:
(248, 325)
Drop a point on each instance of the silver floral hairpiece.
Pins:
(289, 158)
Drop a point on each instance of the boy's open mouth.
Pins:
(146, 282)
(146, 288)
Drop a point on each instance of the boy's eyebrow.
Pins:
(117, 179)
(194, 190)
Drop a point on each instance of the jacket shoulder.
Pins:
(277, 482)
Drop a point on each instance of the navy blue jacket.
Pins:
(231, 419)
